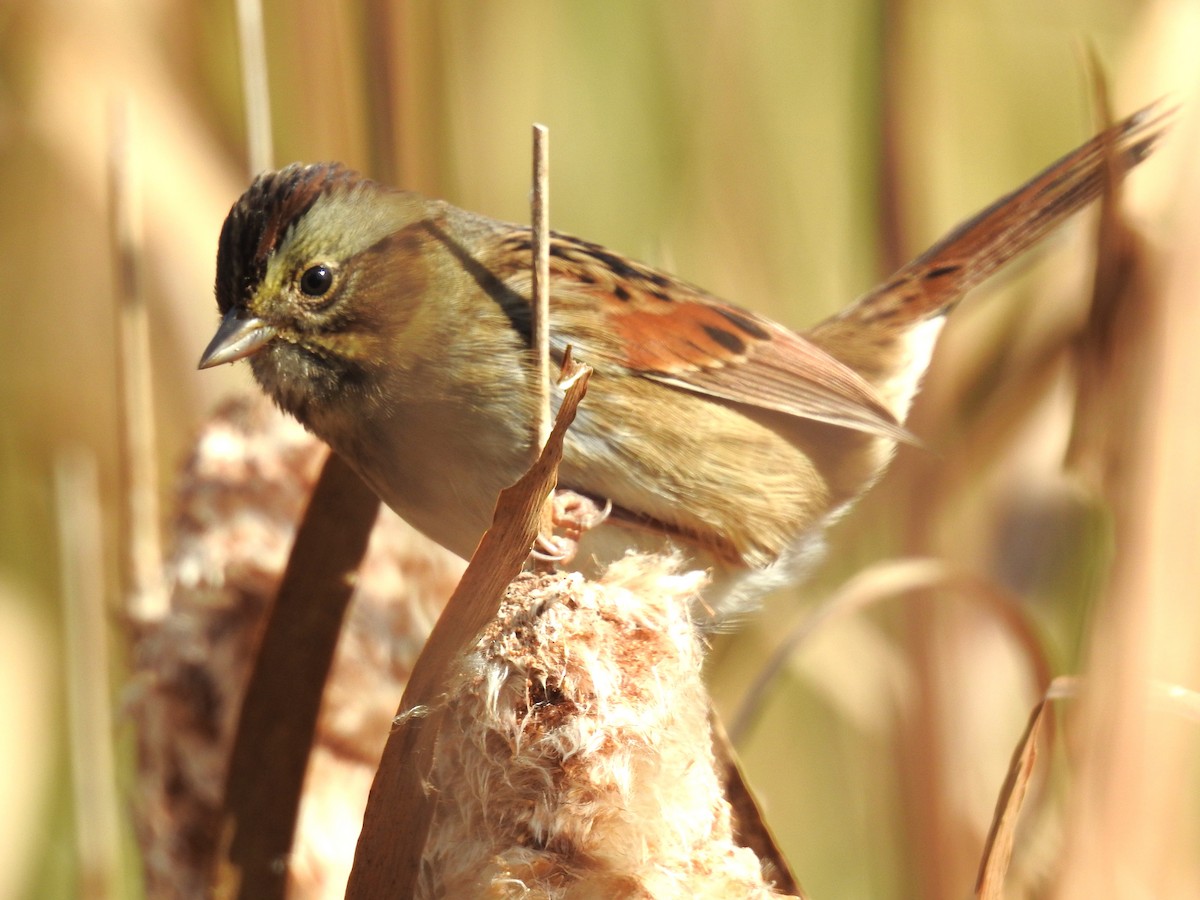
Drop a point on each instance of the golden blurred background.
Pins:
(782, 154)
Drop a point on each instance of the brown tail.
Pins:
(931, 284)
(936, 279)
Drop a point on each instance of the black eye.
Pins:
(316, 280)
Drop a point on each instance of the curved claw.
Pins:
(549, 549)
(599, 517)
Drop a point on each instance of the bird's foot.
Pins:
(566, 518)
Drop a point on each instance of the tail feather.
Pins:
(935, 281)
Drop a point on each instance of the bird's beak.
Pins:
(239, 335)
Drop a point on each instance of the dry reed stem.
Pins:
(540, 216)
(382, 20)
(141, 545)
(255, 92)
(90, 720)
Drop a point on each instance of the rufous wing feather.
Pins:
(622, 313)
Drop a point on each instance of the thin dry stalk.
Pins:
(90, 722)
(381, 19)
(142, 583)
(540, 215)
(257, 95)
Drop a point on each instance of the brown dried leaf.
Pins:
(279, 712)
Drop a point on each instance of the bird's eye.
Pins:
(316, 280)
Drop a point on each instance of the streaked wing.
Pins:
(619, 312)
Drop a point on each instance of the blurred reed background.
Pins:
(784, 155)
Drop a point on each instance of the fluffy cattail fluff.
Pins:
(575, 758)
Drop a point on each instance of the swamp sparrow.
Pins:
(397, 329)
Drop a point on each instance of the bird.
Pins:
(397, 328)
